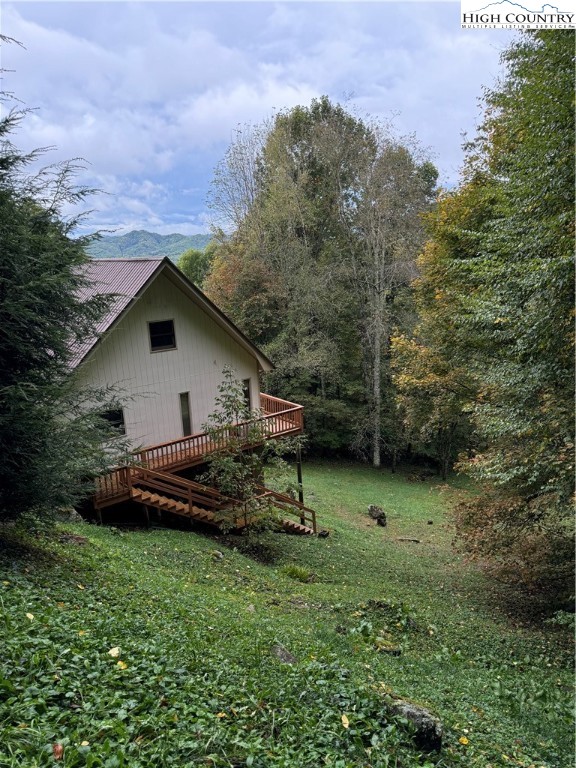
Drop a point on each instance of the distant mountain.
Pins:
(141, 243)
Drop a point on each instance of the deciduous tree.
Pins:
(497, 301)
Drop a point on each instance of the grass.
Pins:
(148, 648)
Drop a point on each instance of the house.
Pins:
(163, 346)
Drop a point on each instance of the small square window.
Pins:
(116, 420)
(162, 335)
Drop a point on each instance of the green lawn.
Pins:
(147, 648)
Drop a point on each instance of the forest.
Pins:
(415, 323)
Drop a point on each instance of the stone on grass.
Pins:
(285, 656)
(427, 727)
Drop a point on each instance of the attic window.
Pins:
(162, 335)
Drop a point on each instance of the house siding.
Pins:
(152, 381)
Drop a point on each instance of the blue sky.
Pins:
(150, 93)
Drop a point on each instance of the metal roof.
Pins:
(127, 279)
(124, 278)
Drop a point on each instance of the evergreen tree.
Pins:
(52, 438)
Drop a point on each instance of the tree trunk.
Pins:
(376, 396)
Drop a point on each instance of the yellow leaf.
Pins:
(114, 652)
(6, 583)
(80, 586)
(345, 721)
(221, 714)
(84, 743)
(30, 616)
(82, 632)
(463, 740)
(121, 664)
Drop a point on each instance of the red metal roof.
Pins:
(123, 277)
(126, 278)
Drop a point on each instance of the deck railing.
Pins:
(278, 418)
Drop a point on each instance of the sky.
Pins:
(150, 94)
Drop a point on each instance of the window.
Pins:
(246, 393)
(162, 335)
(185, 413)
(116, 420)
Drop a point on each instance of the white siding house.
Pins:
(163, 345)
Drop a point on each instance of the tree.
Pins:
(195, 264)
(386, 217)
(433, 400)
(236, 467)
(498, 282)
(52, 437)
(326, 234)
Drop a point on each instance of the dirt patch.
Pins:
(72, 538)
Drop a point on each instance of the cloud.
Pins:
(150, 93)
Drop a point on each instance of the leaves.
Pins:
(495, 347)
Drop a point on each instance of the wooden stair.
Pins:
(172, 505)
(291, 526)
(171, 493)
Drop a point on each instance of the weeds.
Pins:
(194, 681)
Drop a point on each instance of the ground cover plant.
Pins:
(173, 648)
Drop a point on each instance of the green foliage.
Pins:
(496, 296)
(243, 450)
(51, 435)
(298, 573)
(194, 678)
(195, 264)
(326, 209)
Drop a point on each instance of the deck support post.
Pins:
(299, 475)
(146, 515)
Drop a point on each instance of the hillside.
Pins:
(163, 648)
(141, 243)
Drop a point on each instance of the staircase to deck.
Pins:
(186, 498)
(151, 481)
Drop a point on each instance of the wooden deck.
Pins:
(279, 418)
(150, 481)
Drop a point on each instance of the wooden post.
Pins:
(146, 515)
(299, 474)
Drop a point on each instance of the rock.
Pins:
(217, 555)
(69, 514)
(285, 656)
(378, 514)
(430, 522)
(427, 727)
(250, 608)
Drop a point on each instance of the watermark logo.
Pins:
(479, 14)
